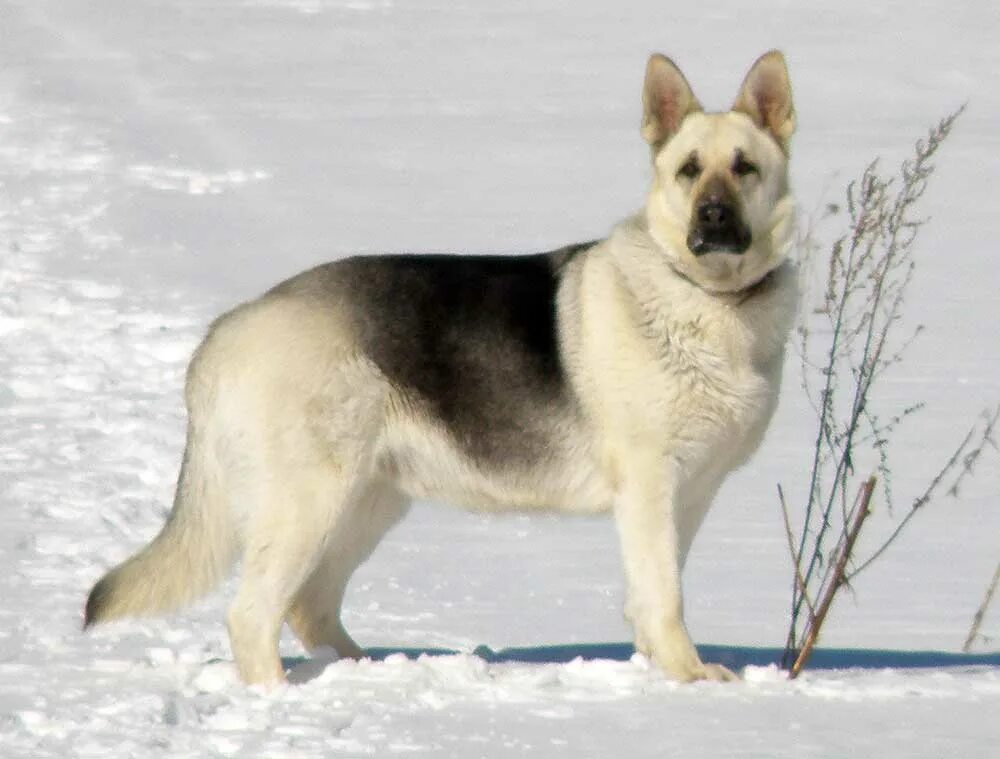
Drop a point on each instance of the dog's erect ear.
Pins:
(766, 97)
(666, 100)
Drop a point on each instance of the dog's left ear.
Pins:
(766, 97)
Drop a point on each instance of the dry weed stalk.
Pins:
(977, 619)
(869, 271)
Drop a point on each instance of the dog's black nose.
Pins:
(717, 227)
(715, 216)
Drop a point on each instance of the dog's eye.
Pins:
(690, 169)
(742, 167)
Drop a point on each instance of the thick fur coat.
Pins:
(627, 375)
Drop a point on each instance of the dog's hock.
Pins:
(666, 99)
(766, 97)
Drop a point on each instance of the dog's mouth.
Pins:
(718, 229)
(701, 245)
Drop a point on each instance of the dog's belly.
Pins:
(424, 461)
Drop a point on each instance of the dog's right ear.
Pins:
(666, 99)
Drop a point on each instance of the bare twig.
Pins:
(959, 457)
(977, 619)
(838, 577)
(800, 583)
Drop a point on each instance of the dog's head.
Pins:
(720, 205)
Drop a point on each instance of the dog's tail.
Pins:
(188, 558)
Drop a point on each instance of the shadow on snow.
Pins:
(734, 657)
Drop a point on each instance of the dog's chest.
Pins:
(696, 374)
(706, 374)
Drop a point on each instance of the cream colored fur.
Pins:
(303, 454)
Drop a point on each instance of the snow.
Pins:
(160, 161)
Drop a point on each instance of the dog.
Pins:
(627, 375)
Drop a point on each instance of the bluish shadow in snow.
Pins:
(734, 657)
(302, 669)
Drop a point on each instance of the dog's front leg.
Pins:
(646, 518)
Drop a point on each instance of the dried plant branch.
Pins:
(796, 559)
(960, 457)
(977, 619)
(861, 338)
(838, 577)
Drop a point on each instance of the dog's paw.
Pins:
(719, 674)
(691, 670)
(704, 672)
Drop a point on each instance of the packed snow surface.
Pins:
(162, 161)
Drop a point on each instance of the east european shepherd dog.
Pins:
(627, 375)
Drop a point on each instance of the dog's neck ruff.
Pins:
(741, 295)
(637, 230)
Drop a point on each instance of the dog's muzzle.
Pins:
(717, 228)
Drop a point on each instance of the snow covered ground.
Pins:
(162, 160)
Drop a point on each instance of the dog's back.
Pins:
(470, 341)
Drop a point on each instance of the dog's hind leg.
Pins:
(284, 545)
(315, 613)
